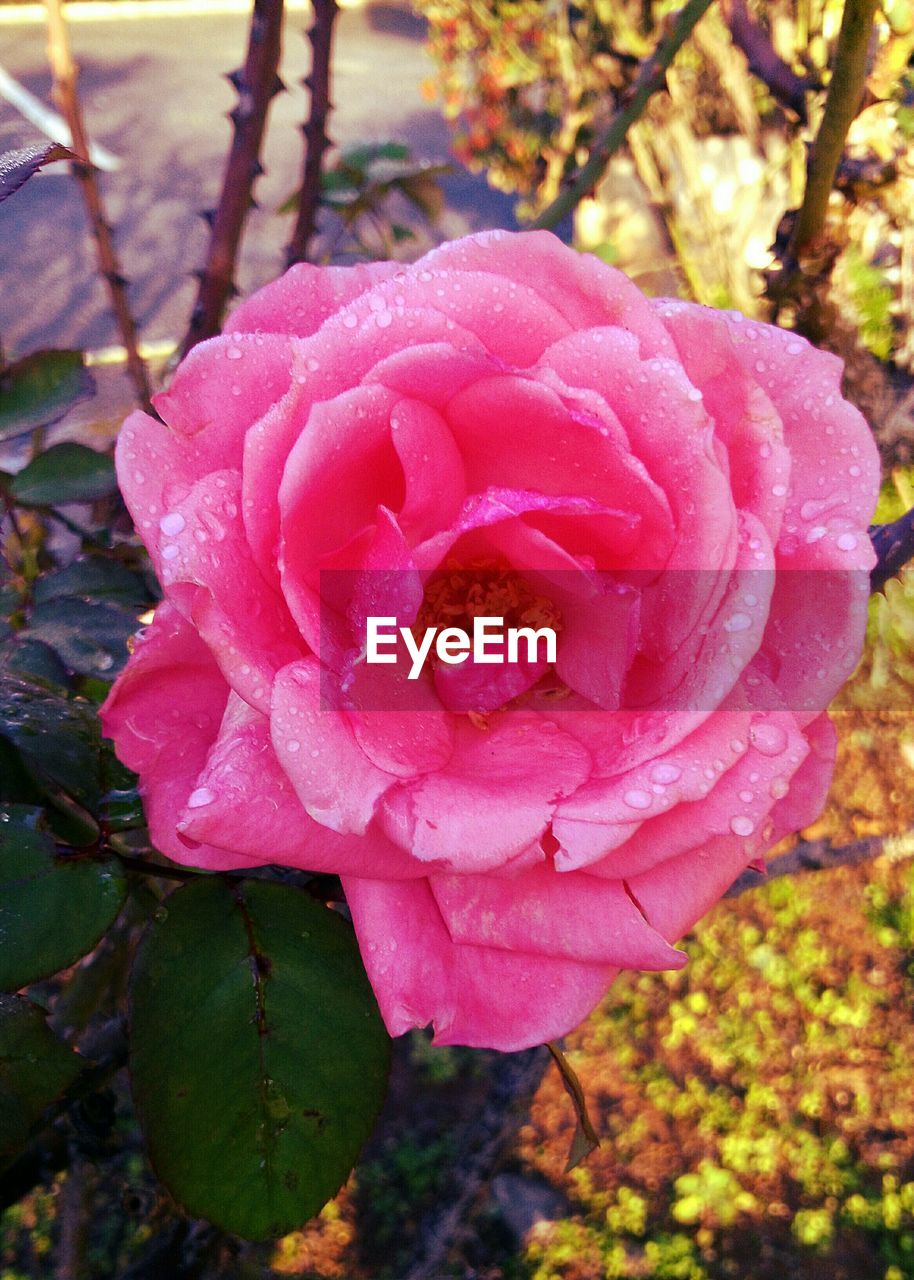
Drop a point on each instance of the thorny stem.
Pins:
(257, 83)
(315, 131)
(65, 75)
(650, 80)
(845, 93)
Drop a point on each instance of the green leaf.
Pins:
(16, 167)
(39, 389)
(35, 1069)
(258, 1057)
(52, 909)
(65, 473)
(89, 635)
(93, 577)
(22, 653)
(56, 735)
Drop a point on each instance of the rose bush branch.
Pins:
(822, 855)
(782, 81)
(315, 130)
(65, 76)
(894, 545)
(650, 80)
(257, 83)
(845, 93)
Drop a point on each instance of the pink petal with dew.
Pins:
(477, 996)
(245, 803)
(542, 912)
(676, 893)
(206, 568)
(332, 361)
(163, 713)
(431, 373)
(835, 472)
(333, 778)
(222, 387)
(731, 792)
(305, 296)
(494, 506)
(495, 797)
(745, 420)
(549, 449)
(808, 788)
(511, 320)
(584, 290)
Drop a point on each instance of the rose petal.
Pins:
(494, 799)
(163, 713)
(542, 912)
(249, 807)
(316, 747)
(584, 290)
(305, 296)
(206, 567)
(476, 996)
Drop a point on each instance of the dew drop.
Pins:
(847, 542)
(234, 353)
(741, 826)
(665, 773)
(350, 320)
(769, 739)
(172, 524)
(384, 319)
(170, 552)
(779, 490)
(746, 796)
(738, 622)
(202, 796)
(292, 746)
(636, 799)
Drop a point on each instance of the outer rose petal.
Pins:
(163, 713)
(305, 296)
(477, 996)
(245, 803)
(543, 912)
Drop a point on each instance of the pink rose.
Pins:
(685, 494)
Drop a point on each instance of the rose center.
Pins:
(457, 594)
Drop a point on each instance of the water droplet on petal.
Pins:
(292, 746)
(741, 826)
(738, 622)
(769, 739)
(172, 524)
(665, 773)
(202, 796)
(234, 353)
(636, 799)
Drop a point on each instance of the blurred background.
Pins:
(756, 1109)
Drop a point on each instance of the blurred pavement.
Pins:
(154, 93)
